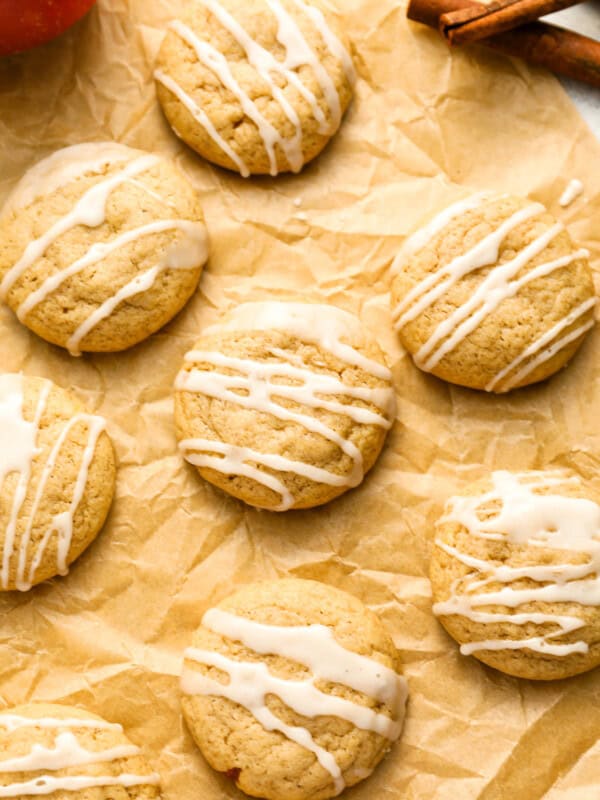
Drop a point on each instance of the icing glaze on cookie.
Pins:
(202, 119)
(515, 513)
(188, 253)
(254, 386)
(47, 784)
(298, 54)
(418, 240)
(334, 45)
(573, 190)
(59, 169)
(545, 348)
(323, 325)
(90, 211)
(17, 455)
(315, 647)
(13, 722)
(65, 753)
(497, 286)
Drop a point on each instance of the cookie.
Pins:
(492, 294)
(284, 405)
(57, 479)
(256, 86)
(516, 573)
(70, 754)
(291, 688)
(100, 246)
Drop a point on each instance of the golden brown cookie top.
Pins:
(515, 573)
(291, 687)
(257, 86)
(284, 405)
(100, 245)
(57, 476)
(492, 294)
(67, 753)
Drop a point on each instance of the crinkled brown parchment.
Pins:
(423, 124)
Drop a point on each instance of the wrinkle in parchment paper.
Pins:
(423, 125)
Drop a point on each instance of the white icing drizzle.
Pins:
(420, 238)
(19, 449)
(18, 456)
(500, 284)
(315, 323)
(234, 462)
(62, 167)
(571, 193)
(491, 292)
(546, 521)
(216, 61)
(485, 253)
(255, 380)
(333, 44)
(261, 392)
(13, 722)
(544, 344)
(62, 524)
(67, 752)
(202, 119)
(298, 54)
(90, 210)
(97, 252)
(189, 254)
(315, 647)
(312, 385)
(47, 784)
(265, 64)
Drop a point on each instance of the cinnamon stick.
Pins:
(557, 49)
(472, 24)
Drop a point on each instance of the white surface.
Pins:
(584, 19)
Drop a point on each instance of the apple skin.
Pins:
(27, 23)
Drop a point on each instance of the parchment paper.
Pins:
(110, 636)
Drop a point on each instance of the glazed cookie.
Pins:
(57, 478)
(516, 574)
(492, 294)
(100, 246)
(256, 86)
(47, 749)
(291, 688)
(284, 405)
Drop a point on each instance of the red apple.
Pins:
(27, 23)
